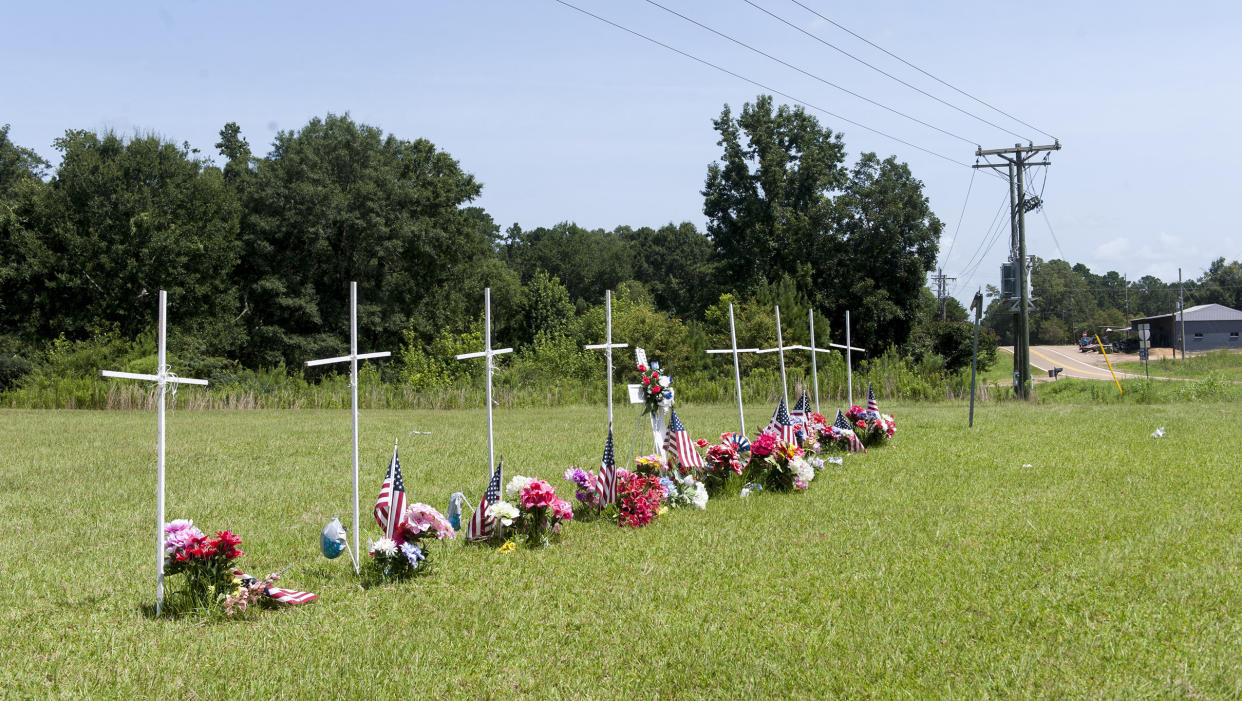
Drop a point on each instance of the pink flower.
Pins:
(562, 510)
(538, 494)
(642, 368)
(763, 445)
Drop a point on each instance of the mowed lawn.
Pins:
(1052, 551)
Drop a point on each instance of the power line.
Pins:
(920, 70)
(1054, 234)
(991, 227)
(813, 76)
(961, 216)
(761, 85)
(879, 70)
(994, 232)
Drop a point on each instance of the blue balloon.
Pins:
(332, 539)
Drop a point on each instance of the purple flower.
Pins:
(413, 553)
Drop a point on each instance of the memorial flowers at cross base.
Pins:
(778, 466)
(813, 432)
(684, 491)
(656, 387)
(872, 427)
(725, 464)
(640, 498)
(208, 563)
(532, 513)
(406, 553)
(586, 493)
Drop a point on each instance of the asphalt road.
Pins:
(1087, 366)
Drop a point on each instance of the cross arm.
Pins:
(597, 346)
(480, 354)
(838, 345)
(788, 348)
(730, 350)
(152, 378)
(346, 358)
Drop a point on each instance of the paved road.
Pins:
(1088, 366)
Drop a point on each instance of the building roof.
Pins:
(1201, 312)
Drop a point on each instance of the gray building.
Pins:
(1208, 327)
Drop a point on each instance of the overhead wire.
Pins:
(961, 216)
(813, 76)
(881, 71)
(761, 85)
(920, 70)
(967, 269)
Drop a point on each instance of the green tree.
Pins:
(339, 201)
(119, 221)
(21, 186)
(676, 264)
(586, 261)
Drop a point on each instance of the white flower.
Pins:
(664, 381)
(504, 511)
(802, 470)
(698, 496)
(517, 484)
(385, 547)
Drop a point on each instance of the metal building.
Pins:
(1208, 327)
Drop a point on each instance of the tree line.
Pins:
(257, 251)
(1070, 300)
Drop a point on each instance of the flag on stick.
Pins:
(843, 427)
(390, 506)
(481, 525)
(607, 483)
(677, 442)
(782, 425)
(284, 596)
(801, 410)
(872, 405)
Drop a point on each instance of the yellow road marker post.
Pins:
(1110, 363)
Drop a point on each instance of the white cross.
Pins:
(814, 350)
(737, 372)
(487, 353)
(781, 348)
(608, 345)
(161, 378)
(353, 358)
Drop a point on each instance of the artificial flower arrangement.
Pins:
(778, 466)
(833, 438)
(872, 427)
(656, 387)
(726, 461)
(815, 425)
(211, 580)
(405, 554)
(534, 513)
(587, 486)
(684, 491)
(639, 498)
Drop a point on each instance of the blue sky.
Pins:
(564, 118)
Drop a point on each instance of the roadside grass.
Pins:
(1225, 364)
(1050, 552)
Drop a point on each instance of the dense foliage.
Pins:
(257, 254)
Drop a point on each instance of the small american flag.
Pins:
(391, 499)
(481, 525)
(853, 444)
(284, 596)
(801, 410)
(872, 405)
(677, 442)
(782, 425)
(607, 484)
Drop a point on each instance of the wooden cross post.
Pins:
(487, 353)
(737, 372)
(161, 378)
(353, 358)
(608, 345)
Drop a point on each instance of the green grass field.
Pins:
(1224, 364)
(1052, 551)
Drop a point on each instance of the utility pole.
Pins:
(940, 279)
(1016, 160)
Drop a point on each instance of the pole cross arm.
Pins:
(347, 358)
(152, 378)
(598, 346)
(838, 345)
(480, 354)
(730, 350)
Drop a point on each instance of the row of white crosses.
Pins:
(781, 348)
(162, 378)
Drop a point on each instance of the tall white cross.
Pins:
(608, 345)
(353, 358)
(161, 378)
(814, 369)
(487, 353)
(781, 348)
(737, 372)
